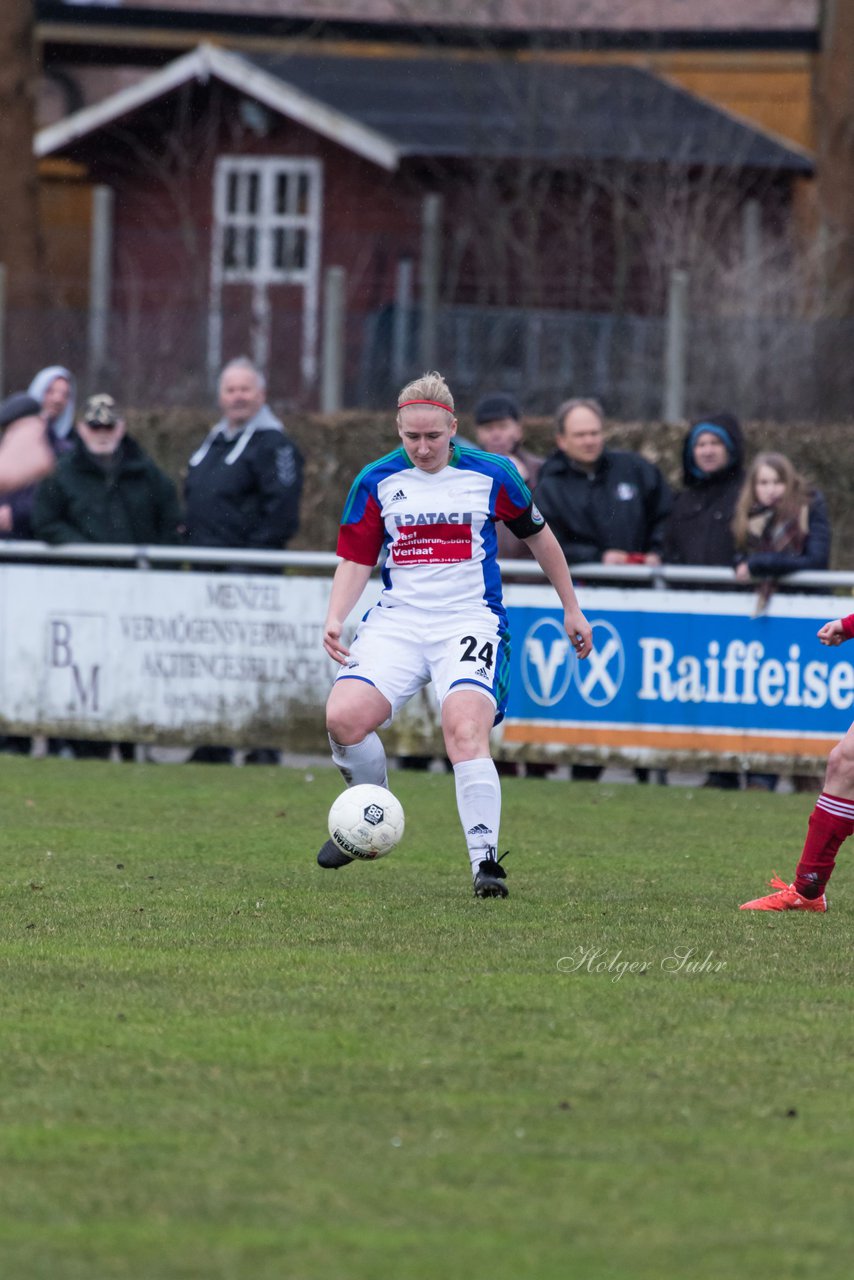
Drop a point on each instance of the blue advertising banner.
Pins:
(680, 672)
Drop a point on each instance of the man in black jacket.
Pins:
(243, 489)
(106, 490)
(605, 505)
(244, 482)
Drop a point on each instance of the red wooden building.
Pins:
(237, 179)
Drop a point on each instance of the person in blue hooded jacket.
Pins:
(699, 527)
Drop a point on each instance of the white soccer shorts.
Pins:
(401, 650)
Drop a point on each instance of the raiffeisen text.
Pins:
(743, 676)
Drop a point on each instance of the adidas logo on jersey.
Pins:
(479, 830)
(397, 497)
(483, 673)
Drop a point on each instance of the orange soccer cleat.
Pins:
(786, 898)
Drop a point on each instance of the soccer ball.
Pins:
(366, 821)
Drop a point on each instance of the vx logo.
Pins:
(599, 678)
(547, 662)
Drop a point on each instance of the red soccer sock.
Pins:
(831, 822)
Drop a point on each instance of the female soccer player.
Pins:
(430, 508)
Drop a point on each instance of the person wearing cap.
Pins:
(107, 489)
(699, 527)
(498, 429)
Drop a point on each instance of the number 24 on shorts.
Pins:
(471, 653)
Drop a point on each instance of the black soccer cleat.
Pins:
(331, 857)
(490, 877)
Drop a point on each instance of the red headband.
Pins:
(436, 403)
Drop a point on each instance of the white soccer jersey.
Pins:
(437, 529)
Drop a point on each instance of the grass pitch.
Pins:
(219, 1061)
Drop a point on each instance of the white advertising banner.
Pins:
(188, 657)
(159, 654)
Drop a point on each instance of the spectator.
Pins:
(243, 489)
(25, 454)
(780, 526)
(699, 530)
(498, 428)
(37, 449)
(24, 459)
(55, 390)
(107, 490)
(244, 482)
(606, 505)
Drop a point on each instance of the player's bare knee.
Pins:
(345, 728)
(464, 741)
(840, 765)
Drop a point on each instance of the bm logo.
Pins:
(549, 664)
(75, 648)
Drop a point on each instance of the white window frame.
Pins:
(264, 273)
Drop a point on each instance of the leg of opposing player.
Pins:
(831, 822)
(354, 711)
(467, 716)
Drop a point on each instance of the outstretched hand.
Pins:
(832, 633)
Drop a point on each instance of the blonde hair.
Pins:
(794, 498)
(430, 386)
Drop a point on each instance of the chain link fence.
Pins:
(760, 367)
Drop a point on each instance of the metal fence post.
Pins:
(332, 373)
(100, 280)
(431, 231)
(400, 355)
(676, 347)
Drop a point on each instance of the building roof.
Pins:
(567, 15)
(444, 107)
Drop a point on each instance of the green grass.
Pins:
(218, 1061)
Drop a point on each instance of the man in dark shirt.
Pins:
(244, 482)
(243, 489)
(603, 505)
(606, 505)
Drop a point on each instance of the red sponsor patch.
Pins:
(432, 544)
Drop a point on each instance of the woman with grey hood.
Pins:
(55, 389)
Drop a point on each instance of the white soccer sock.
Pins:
(479, 805)
(363, 762)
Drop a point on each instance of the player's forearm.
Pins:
(348, 584)
(547, 552)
